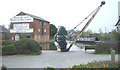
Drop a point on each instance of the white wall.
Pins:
(118, 8)
(118, 15)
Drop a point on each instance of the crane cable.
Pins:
(84, 19)
(86, 25)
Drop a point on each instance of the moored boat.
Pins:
(88, 40)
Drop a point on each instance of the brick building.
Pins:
(29, 26)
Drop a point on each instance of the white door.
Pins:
(17, 37)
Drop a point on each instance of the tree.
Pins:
(23, 36)
(62, 30)
(53, 30)
(114, 36)
(89, 31)
(84, 34)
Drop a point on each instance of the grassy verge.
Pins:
(100, 64)
(105, 52)
(91, 66)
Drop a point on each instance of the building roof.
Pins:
(36, 17)
(117, 22)
(3, 29)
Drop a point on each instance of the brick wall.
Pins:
(38, 36)
(37, 30)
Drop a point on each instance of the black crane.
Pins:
(61, 39)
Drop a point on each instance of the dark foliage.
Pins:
(53, 30)
(8, 42)
(23, 46)
(28, 46)
(106, 47)
(9, 50)
(62, 31)
(4, 67)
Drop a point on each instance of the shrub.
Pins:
(8, 42)
(28, 46)
(9, 49)
(106, 47)
(3, 67)
(50, 68)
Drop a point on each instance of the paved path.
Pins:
(52, 59)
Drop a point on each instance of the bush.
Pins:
(3, 67)
(28, 46)
(50, 68)
(9, 49)
(23, 46)
(106, 47)
(8, 42)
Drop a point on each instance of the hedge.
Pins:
(8, 42)
(106, 47)
(23, 46)
(9, 50)
(28, 46)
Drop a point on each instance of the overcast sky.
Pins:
(67, 13)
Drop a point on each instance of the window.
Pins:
(42, 28)
(38, 22)
(12, 38)
(38, 30)
(117, 29)
(17, 37)
(28, 35)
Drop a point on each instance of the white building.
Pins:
(118, 23)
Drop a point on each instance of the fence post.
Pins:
(113, 56)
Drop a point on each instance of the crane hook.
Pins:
(102, 3)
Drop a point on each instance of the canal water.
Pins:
(54, 46)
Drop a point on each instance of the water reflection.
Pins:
(48, 46)
(75, 47)
(54, 46)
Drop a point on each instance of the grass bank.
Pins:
(92, 66)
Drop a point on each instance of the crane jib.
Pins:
(102, 3)
(60, 38)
